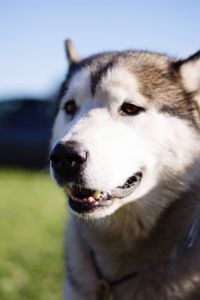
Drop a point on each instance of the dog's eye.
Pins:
(130, 109)
(70, 107)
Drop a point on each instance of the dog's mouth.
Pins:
(84, 200)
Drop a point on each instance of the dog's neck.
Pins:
(141, 230)
(132, 222)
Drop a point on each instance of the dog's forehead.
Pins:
(116, 83)
(142, 66)
(119, 69)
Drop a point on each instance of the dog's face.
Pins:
(126, 122)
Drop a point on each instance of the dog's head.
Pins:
(126, 122)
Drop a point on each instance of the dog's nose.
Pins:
(68, 159)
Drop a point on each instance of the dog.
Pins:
(126, 150)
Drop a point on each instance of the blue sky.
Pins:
(32, 59)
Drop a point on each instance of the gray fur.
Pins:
(153, 70)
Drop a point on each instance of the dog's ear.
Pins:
(189, 71)
(72, 55)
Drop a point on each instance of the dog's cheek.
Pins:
(171, 141)
(112, 162)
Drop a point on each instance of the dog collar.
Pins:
(104, 287)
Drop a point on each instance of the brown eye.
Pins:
(130, 109)
(70, 107)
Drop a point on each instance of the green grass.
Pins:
(32, 217)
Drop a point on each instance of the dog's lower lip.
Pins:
(89, 200)
(81, 206)
(84, 200)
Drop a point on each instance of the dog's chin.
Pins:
(88, 203)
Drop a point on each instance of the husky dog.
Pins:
(126, 151)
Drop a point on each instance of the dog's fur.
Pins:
(153, 233)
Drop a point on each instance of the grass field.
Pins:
(32, 217)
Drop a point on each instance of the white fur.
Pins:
(159, 145)
(191, 75)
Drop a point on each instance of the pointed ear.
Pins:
(72, 55)
(189, 71)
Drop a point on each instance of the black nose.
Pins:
(68, 160)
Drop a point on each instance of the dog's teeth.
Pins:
(97, 195)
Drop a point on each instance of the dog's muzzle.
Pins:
(69, 160)
(83, 200)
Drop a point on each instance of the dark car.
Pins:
(25, 131)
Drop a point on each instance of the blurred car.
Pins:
(25, 131)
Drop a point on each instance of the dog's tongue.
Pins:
(89, 199)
